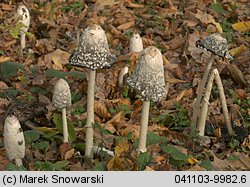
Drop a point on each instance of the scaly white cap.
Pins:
(148, 78)
(93, 50)
(217, 45)
(135, 44)
(25, 17)
(14, 142)
(61, 95)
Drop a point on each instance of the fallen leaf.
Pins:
(121, 148)
(238, 50)
(120, 164)
(101, 109)
(64, 148)
(242, 26)
(192, 161)
(69, 154)
(126, 26)
(4, 59)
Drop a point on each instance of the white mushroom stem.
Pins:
(223, 102)
(204, 108)
(90, 115)
(201, 88)
(97, 150)
(19, 162)
(144, 127)
(65, 126)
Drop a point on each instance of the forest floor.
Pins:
(27, 79)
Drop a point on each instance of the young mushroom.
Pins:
(61, 99)
(92, 53)
(14, 142)
(135, 46)
(148, 82)
(24, 14)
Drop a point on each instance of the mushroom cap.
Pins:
(135, 44)
(148, 77)
(24, 13)
(61, 95)
(217, 45)
(93, 50)
(14, 142)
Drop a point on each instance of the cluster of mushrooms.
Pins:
(93, 53)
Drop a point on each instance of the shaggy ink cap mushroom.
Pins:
(148, 78)
(217, 45)
(25, 17)
(61, 95)
(14, 142)
(135, 44)
(93, 50)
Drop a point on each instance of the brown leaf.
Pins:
(121, 147)
(3, 86)
(101, 109)
(120, 164)
(174, 81)
(69, 154)
(241, 94)
(133, 5)
(64, 148)
(4, 59)
(237, 74)
(134, 129)
(126, 26)
(56, 59)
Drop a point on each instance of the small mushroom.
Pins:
(148, 82)
(217, 45)
(61, 99)
(93, 53)
(24, 14)
(14, 142)
(135, 44)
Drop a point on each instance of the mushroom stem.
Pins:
(204, 108)
(19, 162)
(90, 115)
(23, 42)
(144, 127)
(223, 102)
(65, 126)
(201, 87)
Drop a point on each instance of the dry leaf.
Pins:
(4, 59)
(192, 161)
(69, 154)
(242, 26)
(63, 149)
(238, 50)
(174, 81)
(101, 109)
(120, 164)
(121, 147)
(126, 26)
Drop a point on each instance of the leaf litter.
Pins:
(26, 84)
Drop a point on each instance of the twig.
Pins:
(201, 87)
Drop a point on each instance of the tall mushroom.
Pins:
(93, 53)
(61, 99)
(23, 12)
(14, 142)
(148, 82)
